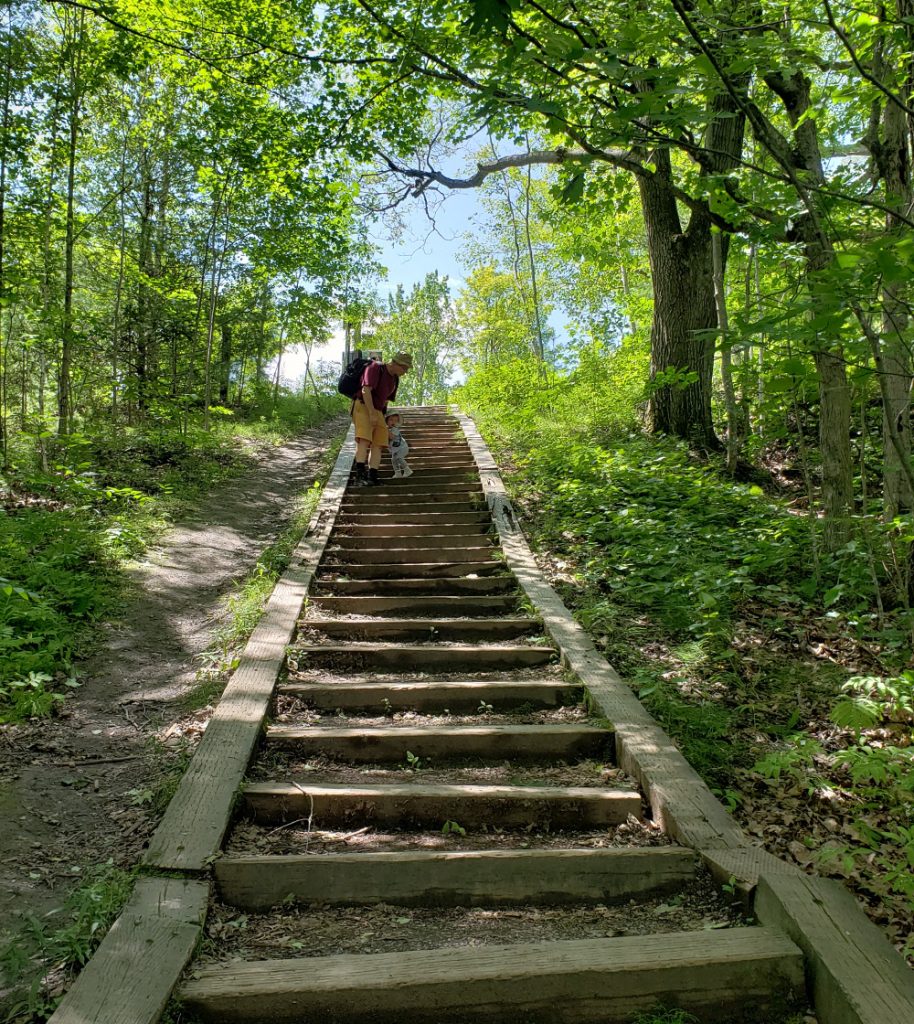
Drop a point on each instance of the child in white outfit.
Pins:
(399, 449)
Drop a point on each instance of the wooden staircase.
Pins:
(422, 701)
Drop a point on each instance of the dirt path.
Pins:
(74, 790)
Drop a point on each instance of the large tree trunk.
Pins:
(682, 273)
(685, 315)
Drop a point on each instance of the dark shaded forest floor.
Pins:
(80, 793)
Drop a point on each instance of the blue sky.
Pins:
(419, 249)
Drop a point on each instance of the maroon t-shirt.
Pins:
(383, 385)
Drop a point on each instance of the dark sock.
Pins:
(361, 471)
(373, 476)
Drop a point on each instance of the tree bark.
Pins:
(889, 143)
(685, 312)
(64, 410)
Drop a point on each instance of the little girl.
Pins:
(399, 449)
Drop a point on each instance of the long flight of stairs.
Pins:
(427, 756)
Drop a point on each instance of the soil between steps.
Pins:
(312, 931)
(249, 839)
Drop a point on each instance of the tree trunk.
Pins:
(225, 362)
(889, 143)
(726, 362)
(64, 410)
(684, 315)
(793, 88)
(685, 311)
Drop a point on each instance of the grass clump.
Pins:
(48, 950)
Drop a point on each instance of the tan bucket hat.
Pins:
(403, 359)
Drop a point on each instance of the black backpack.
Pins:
(351, 377)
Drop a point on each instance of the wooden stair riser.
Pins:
(400, 657)
(408, 571)
(430, 521)
(462, 502)
(465, 630)
(339, 542)
(413, 486)
(474, 523)
(462, 604)
(394, 495)
(436, 697)
(744, 974)
(490, 878)
(452, 463)
(401, 806)
(404, 556)
(465, 585)
(378, 745)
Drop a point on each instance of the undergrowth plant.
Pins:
(68, 528)
(247, 601)
(47, 949)
(717, 603)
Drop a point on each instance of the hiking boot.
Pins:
(361, 474)
(373, 480)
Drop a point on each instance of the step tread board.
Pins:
(619, 975)
(318, 732)
(454, 878)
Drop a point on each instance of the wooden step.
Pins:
(384, 744)
(493, 628)
(471, 503)
(427, 520)
(424, 458)
(475, 523)
(441, 604)
(409, 570)
(408, 492)
(482, 552)
(746, 974)
(407, 539)
(444, 879)
(411, 804)
(415, 484)
(434, 695)
(488, 584)
(453, 657)
(432, 457)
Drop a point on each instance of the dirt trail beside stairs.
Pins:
(74, 790)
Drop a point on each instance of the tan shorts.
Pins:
(364, 431)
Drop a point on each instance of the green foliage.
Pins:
(873, 699)
(64, 543)
(661, 1016)
(421, 323)
(65, 939)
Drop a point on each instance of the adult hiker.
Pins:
(379, 385)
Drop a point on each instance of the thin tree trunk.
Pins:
(726, 362)
(64, 410)
(215, 285)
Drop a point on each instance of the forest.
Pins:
(684, 325)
